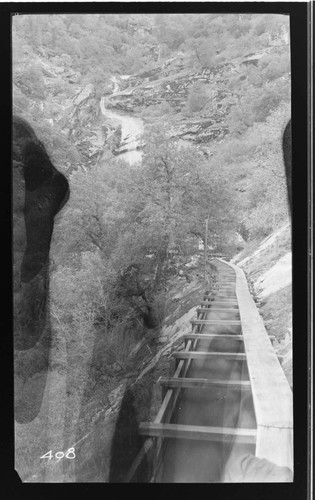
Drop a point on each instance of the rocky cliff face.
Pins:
(162, 94)
(83, 124)
(171, 83)
(74, 109)
(69, 110)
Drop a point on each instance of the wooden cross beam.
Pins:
(220, 322)
(198, 432)
(203, 383)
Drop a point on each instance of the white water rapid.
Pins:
(131, 129)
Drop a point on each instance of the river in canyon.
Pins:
(132, 127)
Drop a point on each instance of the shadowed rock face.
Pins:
(287, 156)
(39, 192)
(46, 191)
(126, 440)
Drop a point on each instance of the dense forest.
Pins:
(130, 227)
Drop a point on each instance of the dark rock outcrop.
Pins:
(39, 193)
(287, 157)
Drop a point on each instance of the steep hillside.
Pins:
(203, 94)
(197, 103)
(86, 418)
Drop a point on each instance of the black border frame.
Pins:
(299, 30)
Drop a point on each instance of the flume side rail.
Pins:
(272, 395)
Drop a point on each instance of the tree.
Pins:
(252, 161)
(31, 80)
(170, 29)
(97, 211)
(174, 192)
(274, 66)
(258, 104)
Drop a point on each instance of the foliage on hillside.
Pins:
(94, 47)
(127, 228)
(253, 163)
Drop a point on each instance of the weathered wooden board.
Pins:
(208, 355)
(225, 295)
(203, 383)
(272, 394)
(224, 300)
(221, 322)
(179, 431)
(211, 336)
(146, 447)
(211, 305)
(215, 309)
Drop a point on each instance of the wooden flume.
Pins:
(272, 404)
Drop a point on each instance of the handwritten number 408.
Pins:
(60, 454)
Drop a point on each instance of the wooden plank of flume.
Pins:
(226, 296)
(227, 301)
(215, 322)
(272, 395)
(209, 336)
(212, 305)
(197, 432)
(203, 383)
(208, 355)
(147, 445)
(237, 356)
(215, 309)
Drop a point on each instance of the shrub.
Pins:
(31, 79)
(197, 97)
(157, 110)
